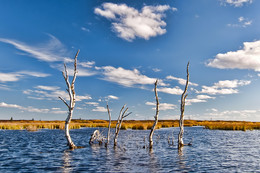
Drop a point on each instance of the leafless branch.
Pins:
(119, 122)
(64, 101)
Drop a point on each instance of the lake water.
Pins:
(211, 151)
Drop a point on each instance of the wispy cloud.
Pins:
(42, 92)
(92, 103)
(29, 109)
(129, 23)
(83, 68)
(180, 80)
(244, 114)
(4, 87)
(162, 106)
(246, 58)
(224, 87)
(85, 29)
(32, 109)
(16, 76)
(51, 51)
(242, 22)
(237, 3)
(156, 69)
(48, 88)
(34, 74)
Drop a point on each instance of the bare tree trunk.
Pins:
(108, 132)
(155, 117)
(71, 91)
(119, 123)
(181, 123)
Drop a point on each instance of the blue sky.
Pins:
(124, 47)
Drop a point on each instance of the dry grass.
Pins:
(31, 125)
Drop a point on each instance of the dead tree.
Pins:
(96, 136)
(119, 122)
(181, 123)
(108, 132)
(71, 91)
(155, 117)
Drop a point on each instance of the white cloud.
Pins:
(212, 90)
(237, 3)
(16, 76)
(32, 109)
(246, 114)
(231, 83)
(87, 64)
(127, 78)
(198, 99)
(34, 74)
(112, 97)
(99, 109)
(55, 108)
(224, 87)
(58, 112)
(214, 110)
(242, 22)
(82, 68)
(174, 91)
(9, 77)
(51, 51)
(162, 106)
(92, 103)
(156, 69)
(181, 81)
(84, 29)
(246, 58)
(80, 98)
(49, 88)
(129, 23)
(204, 97)
(29, 109)
(51, 93)
(4, 87)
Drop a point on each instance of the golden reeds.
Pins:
(127, 124)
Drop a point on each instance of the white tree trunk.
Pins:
(119, 123)
(109, 125)
(72, 95)
(181, 123)
(155, 117)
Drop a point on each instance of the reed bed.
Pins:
(31, 125)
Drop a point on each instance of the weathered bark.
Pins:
(96, 136)
(119, 122)
(108, 132)
(181, 123)
(155, 117)
(71, 91)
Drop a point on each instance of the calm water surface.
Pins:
(212, 151)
